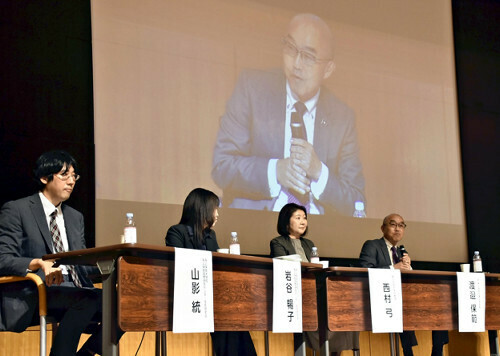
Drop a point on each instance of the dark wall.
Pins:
(477, 53)
(46, 103)
(46, 95)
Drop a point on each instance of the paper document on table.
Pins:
(294, 257)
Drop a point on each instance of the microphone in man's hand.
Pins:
(299, 131)
(402, 251)
(297, 125)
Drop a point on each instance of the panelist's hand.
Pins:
(52, 275)
(303, 155)
(405, 263)
(291, 176)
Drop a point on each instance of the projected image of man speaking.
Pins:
(284, 138)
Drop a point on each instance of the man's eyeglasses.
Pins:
(307, 58)
(67, 176)
(394, 224)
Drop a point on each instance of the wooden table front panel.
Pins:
(243, 296)
(348, 303)
(429, 303)
(143, 288)
(493, 305)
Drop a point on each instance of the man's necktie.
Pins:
(395, 257)
(298, 131)
(58, 247)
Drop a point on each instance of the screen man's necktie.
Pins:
(298, 131)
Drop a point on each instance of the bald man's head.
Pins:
(393, 228)
(320, 29)
(307, 55)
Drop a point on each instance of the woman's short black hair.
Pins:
(284, 218)
(53, 162)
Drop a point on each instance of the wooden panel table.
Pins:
(429, 300)
(138, 289)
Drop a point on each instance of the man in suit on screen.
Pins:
(261, 162)
(42, 224)
(385, 253)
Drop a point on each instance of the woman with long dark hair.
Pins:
(199, 215)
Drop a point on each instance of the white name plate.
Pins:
(287, 296)
(193, 291)
(471, 301)
(386, 300)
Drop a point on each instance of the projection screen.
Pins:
(165, 70)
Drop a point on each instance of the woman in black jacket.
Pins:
(199, 215)
(292, 227)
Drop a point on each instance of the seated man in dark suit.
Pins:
(384, 253)
(285, 138)
(41, 224)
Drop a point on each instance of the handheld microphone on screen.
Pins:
(299, 131)
(297, 125)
